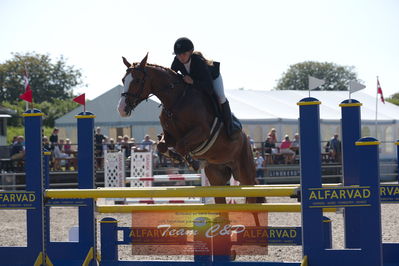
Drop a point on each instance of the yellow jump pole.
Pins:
(159, 192)
(265, 207)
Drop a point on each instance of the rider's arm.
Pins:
(177, 66)
(202, 77)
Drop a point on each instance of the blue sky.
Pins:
(256, 41)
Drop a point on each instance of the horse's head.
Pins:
(136, 87)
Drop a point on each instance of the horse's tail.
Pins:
(247, 150)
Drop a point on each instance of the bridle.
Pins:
(133, 99)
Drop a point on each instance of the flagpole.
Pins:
(376, 112)
(27, 76)
(350, 92)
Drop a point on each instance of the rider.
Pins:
(204, 75)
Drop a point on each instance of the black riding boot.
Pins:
(193, 164)
(231, 128)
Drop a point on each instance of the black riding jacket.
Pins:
(201, 72)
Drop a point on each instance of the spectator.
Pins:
(327, 147)
(105, 143)
(46, 143)
(111, 145)
(118, 145)
(18, 149)
(295, 144)
(269, 145)
(67, 146)
(335, 147)
(59, 150)
(127, 145)
(98, 141)
(273, 136)
(54, 138)
(59, 154)
(146, 143)
(260, 163)
(289, 155)
(251, 143)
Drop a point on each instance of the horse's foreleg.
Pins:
(163, 147)
(218, 175)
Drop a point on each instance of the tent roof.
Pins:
(265, 105)
(246, 105)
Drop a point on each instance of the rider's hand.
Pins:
(188, 79)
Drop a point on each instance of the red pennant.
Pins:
(80, 99)
(27, 96)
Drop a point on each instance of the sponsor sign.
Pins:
(201, 233)
(334, 197)
(18, 200)
(389, 193)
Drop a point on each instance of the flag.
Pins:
(379, 91)
(315, 82)
(27, 95)
(80, 99)
(355, 86)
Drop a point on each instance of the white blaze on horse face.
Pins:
(127, 81)
(122, 101)
(121, 107)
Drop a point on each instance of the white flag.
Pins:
(315, 82)
(355, 86)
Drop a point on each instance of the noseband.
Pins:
(136, 97)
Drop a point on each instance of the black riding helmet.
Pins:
(183, 45)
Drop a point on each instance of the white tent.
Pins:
(262, 110)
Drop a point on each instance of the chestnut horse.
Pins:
(186, 118)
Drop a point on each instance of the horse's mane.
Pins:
(166, 69)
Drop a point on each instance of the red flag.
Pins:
(80, 99)
(379, 91)
(27, 96)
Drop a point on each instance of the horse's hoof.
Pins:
(195, 165)
(233, 255)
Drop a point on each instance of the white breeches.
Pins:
(219, 89)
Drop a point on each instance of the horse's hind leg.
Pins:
(218, 175)
(245, 172)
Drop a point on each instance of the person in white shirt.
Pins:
(260, 164)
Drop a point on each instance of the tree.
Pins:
(48, 80)
(52, 111)
(394, 98)
(336, 77)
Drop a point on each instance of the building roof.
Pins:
(104, 107)
(245, 104)
(6, 112)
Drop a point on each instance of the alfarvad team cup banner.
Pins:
(203, 233)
